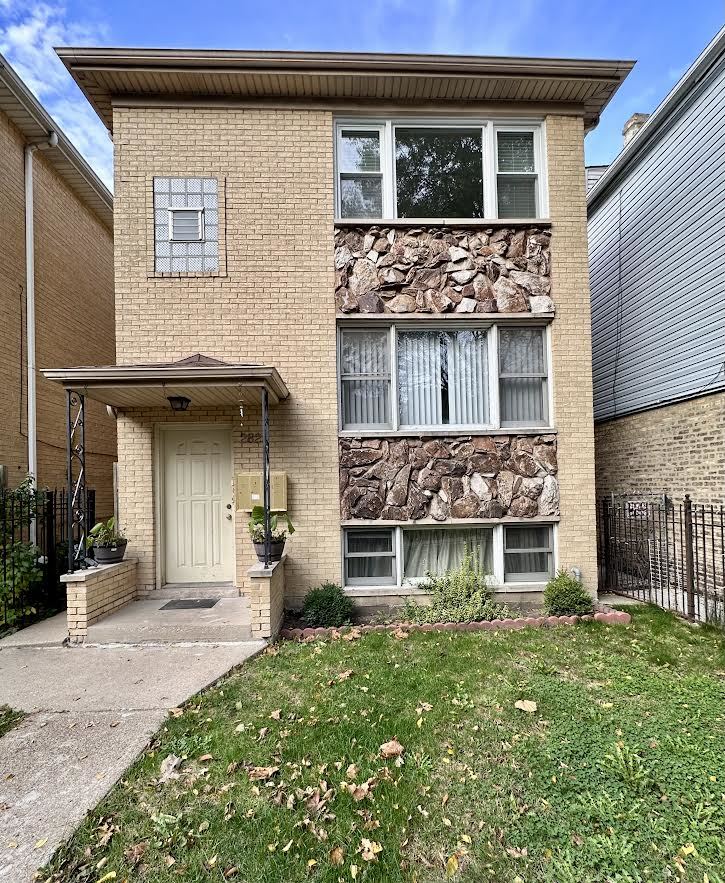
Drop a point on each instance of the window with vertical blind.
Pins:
(439, 169)
(402, 555)
(403, 377)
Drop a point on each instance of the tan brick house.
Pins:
(391, 251)
(56, 292)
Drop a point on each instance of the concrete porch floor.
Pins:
(144, 622)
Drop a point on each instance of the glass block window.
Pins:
(186, 225)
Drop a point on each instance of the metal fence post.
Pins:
(689, 559)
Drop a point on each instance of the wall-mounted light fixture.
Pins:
(178, 403)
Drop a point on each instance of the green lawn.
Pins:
(9, 719)
(616, 774)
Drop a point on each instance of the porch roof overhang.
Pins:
(149, 386)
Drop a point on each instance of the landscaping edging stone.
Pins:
(603, 614)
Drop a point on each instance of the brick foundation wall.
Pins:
(266, 600)
(676, 450)
(74, 318)
(96, 592)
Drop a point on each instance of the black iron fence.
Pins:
(671, 554)
(33, 552)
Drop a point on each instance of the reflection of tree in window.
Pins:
(439, 173)
(361, 181)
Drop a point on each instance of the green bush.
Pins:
(327, 606)
(566, 596)
(460, 595)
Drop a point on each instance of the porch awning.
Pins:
(205, 381)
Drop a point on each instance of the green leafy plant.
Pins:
(460, 595)
(105, 535)
(566, 596)
(20, 559)
(327, 605)
(20, 568)
(279, 533)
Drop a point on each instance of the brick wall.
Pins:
(675, 450)
(74, 317)
(271, 303)
(571, 346)
(96, 592)
(266, 600)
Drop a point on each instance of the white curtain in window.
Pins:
(521, 352)
(468, 378)
(365, 378)
(440, 550)
(419, 378)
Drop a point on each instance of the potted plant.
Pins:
(108, 544)
(279, 534)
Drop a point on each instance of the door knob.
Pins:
(229, 516)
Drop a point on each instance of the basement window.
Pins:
(186, 225)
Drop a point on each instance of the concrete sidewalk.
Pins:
(91, 710)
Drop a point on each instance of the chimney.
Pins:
(633, 125)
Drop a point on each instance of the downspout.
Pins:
(50, 141)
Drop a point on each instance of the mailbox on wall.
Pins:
(250, 491)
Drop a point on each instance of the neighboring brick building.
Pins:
(656, 254)
(73, 282)
(423, 337)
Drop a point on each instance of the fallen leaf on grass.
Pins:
(526, 705)
(352, 771)
(134, 854)
(262, 772)
(369, 850)
(169, 766)
(353, 872)
(111, 875)
(41, 843)
(452, 865)
(391, 749)
(400, 634)
(337, 856)
(344, 675)
(205, 758)
(275, 715)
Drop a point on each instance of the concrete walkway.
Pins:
(91, 710)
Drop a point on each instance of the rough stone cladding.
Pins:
(466, 477)
(74, 318)
(271, 303)
(571, 346)
(442, 270)
(676, 450)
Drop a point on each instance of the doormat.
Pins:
(190, 604)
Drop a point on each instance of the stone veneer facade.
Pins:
(406, 479)
(381, 269)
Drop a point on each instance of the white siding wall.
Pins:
(657, 264)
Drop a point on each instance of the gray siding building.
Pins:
(657, 265)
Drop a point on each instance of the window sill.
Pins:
(445, 433)
(210, 274)
(455, 522)
(490, 318)
(442, 222)
(410, 589)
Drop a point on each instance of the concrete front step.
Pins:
(144, 622)
(173, 591)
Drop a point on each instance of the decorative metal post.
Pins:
(265, 478)
(689, 559)
(77, 521)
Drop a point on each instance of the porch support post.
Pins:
(77, 513)
(265, 478)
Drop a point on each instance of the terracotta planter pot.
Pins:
(110, 554)
(276, 549)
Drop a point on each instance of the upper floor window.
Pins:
(186, 225)
(439, 170)
(405, 377)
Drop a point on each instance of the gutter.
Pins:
(50, 141)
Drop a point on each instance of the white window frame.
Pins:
(526, 578)
(395, 554)
(200, 222)
(497, 576)
(489, 127)
(494, 421)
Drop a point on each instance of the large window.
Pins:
(458, 377)
(389, 169)
(399, 556)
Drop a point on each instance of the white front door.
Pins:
(197, 512)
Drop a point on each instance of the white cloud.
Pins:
(28, 33)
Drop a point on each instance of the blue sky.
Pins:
(664, 37)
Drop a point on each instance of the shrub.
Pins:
(460, 595)
(566, 596)
(327, 606)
